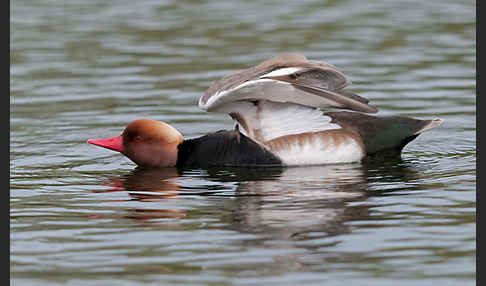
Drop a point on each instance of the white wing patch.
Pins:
(282, 71)
(280, 119)
(268, 120)
(265, 89)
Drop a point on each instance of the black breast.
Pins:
(224, 148)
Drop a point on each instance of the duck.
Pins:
(287, 110)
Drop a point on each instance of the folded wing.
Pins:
(282, 96)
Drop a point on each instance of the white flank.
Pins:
(321, 150)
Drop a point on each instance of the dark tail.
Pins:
(383, 136)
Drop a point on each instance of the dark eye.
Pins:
(138, 138)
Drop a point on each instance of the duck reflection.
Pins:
(301, 200)
(145, 185)
(298, 214)
(152, 184)
(288, 203)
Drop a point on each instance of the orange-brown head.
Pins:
(146, 142)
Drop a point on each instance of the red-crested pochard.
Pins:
(277, 108)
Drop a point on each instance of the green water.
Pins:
(81, 215)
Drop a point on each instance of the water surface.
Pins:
(81, 215)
